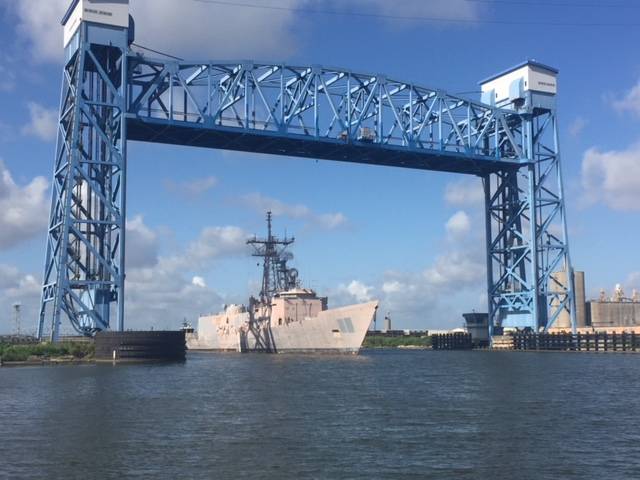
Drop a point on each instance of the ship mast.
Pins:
(275, 274)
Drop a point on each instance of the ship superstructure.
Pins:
(285, 317)
(276, 275)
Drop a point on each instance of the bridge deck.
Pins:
(230, 138)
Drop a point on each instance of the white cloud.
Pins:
(142, 244)
(633, 280)
(189, 29)
(162, 298)
(446, 9)
(213, 242)
(577, 126)
(18, 287)
(350, 293)
(433, 298)
(262, 204)
(467, 192)
(165, 292)
(392, 287)
(359, 291)
(7, 132)
(630, 102)
(436, 296)
(43, 123)
(215, 30)
(331, 221)
(8, 69)
(612, 177)
(206, 30)
(160, 291)
(458, 225)
(451, 285)
(8, 276)
(23, 209)
(39, 24)
(191, 188)
(456, 269)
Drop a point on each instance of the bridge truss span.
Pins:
(317, 112)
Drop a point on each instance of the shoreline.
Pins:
(46, 362)
(397, 347)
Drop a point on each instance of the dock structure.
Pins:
(140, 346)
(540, 342)
(451, 341)
(580, 342)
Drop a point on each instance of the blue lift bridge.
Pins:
(112, 94)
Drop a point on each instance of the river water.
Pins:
(379, 415)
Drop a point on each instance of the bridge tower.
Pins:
(85, 249)
(526, 227)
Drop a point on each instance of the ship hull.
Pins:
(337, 330)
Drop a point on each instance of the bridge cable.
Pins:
(158, 52)
(420, 18)
(555, 4)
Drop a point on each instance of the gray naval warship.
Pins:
(285, 317)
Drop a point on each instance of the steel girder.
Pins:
(84, 266)
(315, 112)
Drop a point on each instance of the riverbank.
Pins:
(405, 341)
(17, 355)
(46, 354)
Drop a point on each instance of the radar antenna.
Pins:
(276, 276)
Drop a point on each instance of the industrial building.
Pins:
(611, 314)
(564, 318)
(617, 312)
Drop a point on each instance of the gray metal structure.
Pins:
(276, 275)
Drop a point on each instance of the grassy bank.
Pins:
(396, 342)
(46, 351)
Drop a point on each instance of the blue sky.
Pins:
(412, 239)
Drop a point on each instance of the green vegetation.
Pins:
(43, 351)
(396, 342)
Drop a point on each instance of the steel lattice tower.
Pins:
(526, 231)
(113, 93)
(84, 266)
